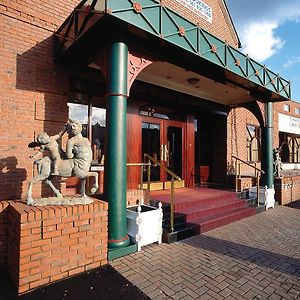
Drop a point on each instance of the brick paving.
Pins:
(255, 258)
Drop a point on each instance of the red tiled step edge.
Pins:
(224, 218)
(188, 200)
(205, 210)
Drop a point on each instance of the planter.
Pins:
(144, 224)
(266, 196)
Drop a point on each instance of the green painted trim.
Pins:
(165, 23)
(117, 253)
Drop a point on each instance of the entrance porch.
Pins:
(153, 44)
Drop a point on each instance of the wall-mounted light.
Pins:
(193, 80)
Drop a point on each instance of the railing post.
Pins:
(148, 174)
(172, 204)
(141, 179)
(236, 176)
(257, 188)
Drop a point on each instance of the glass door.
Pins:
(173, 148)
(163, 140)
(151, 144)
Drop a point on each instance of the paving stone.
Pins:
(255, 258)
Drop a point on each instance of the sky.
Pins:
(269, 31)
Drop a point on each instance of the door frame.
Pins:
(164, 123)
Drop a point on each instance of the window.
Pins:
(290, 147)
(253, 143)
(297, 110)
(286, 107)
(93, 126)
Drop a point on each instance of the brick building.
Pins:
(164, 78)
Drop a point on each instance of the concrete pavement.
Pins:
(255, 258)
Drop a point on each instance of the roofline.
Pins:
(233, 26)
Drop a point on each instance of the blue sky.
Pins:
(269, 31)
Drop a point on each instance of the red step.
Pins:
(211, 209)
(215, 221)
(206, 209)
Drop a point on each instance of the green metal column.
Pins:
(267, 146)
(116, 154)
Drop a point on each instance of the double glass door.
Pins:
(163, 140)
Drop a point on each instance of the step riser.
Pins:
(214, 210)
(202, 202)
(212, 224)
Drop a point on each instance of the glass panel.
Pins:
(98, 133)
(151, 145)
(174, 150)
(79, 112)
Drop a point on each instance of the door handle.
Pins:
(162, 152)
(166, 153)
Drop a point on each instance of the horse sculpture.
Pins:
(75, 162)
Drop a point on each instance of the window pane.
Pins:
(79, 112)
(98, 133)
(253, 143)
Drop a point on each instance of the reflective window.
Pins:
(286, 107)
(93, 126)
(253, 143)
(290, 147)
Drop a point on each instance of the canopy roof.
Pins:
(155, 28)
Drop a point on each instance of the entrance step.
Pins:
(198, 210)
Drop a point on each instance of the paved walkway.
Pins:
(255, 258)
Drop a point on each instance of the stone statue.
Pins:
(277, 163)
(75, 161)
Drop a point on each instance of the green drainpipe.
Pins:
(116, 156)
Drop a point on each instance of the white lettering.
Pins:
(198, 7)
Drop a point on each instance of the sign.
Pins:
(198, 7)
(288, 124)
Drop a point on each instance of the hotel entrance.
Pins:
(163, 140)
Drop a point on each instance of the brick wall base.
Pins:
(3, 231)
(287, 189)
(49, 243)
(136, 196)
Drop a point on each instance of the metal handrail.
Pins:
(173, 175)
(148, 165)
(248, 164)
(258, 172)
(162, 166)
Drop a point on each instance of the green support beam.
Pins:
(116, 154)
(267, 146)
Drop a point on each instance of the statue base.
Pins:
(66, 200)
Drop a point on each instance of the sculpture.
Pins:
(75, 161)
(277, 163)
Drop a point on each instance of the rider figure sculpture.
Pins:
(78, 147)
(50, 143)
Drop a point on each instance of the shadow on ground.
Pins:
(102, 283)
(274, 261)
(294, 204)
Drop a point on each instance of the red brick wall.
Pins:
(278, 108)
(49, 243)
(221, 25)
(287, 189)
(3, 231)
(237, 121)
(33, 89)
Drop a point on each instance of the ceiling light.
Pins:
(193, 80)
